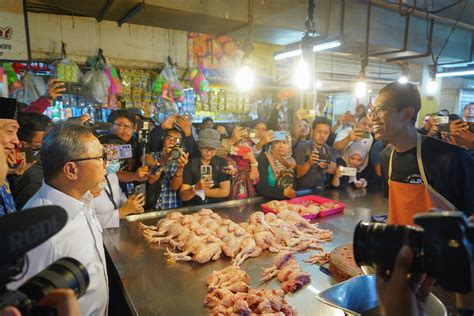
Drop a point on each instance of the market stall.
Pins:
(153, 286)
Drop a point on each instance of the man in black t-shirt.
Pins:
(198, 189)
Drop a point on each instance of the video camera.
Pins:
(21, 232)
(442, 247)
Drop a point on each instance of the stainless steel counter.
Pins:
(154, 287)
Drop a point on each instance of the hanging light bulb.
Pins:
(403, 80)
(301, 76)
(244, 78)
(360, 89)
(432, 86)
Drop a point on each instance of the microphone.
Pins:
(24, 230)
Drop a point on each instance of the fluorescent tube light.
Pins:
(455, 73)
(298, 51)
(288, 54)
(327, 45)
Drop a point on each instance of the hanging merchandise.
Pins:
(33, 88)
(137, 90)
(198, 77)
(96, 80)
(12, 79)
(64, 69)
(167, 86)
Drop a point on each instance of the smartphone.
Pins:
(140, 189)
(252, 133)
(206, 171)
(117, 152)
(280, 135)
(348, 171)
(471, 126)
(441, 120)
(365, 134)
(444, 127)
(154, 170)
(323, 157)
(239, 150)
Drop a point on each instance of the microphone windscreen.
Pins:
(24, 230)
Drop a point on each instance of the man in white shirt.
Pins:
(73, 164)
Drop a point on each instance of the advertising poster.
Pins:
(14, 40)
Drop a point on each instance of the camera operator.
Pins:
(315, 158)
(78, 166)
(33, 127)
(123, 126)
(199, 189)
(163, 185)
(421, 172)
(178, 122)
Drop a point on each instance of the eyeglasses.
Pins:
(379, 109)
(124, 126)
(103, 157)
(173, 139)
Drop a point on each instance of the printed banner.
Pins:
(14, 40)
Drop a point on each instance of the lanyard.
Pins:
(110, 194)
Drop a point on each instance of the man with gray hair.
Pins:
(73, 163)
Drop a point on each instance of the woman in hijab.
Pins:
(276, 170)
(353, 161)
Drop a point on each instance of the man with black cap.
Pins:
(212, 187)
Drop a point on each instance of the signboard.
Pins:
(14, 38)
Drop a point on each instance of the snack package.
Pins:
(98, 83)
(66, 70)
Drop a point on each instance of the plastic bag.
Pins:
(98, 84)
(33, 88)
(66, 70)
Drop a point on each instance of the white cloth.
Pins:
(107, 215)
(80, 239)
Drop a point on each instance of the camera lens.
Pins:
(176, 152)
(65, 273)
(377, 245)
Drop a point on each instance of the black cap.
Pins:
(8, 108)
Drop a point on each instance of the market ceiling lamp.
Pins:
(244, 78)
(457, 73)
(302, 75)
(360, 89)
(403, 80)
(298, 51)
(432, 86)
(318, 84)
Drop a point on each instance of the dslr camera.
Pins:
(21, 232)
(442, 246)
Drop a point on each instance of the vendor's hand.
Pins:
(134, 204)
(169, 122)
(141, 174)
(55, 89)
(205, 183)
(267, 138)
(289, 192)
(63, 300)
(458, 127)
(183, 160)
(403, 294)
(356, 135)
(184, 125)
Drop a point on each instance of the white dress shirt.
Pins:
(80, 239)
(106, 213)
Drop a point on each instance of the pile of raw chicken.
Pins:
(229, 293)
(204, 236)
(303, 209)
